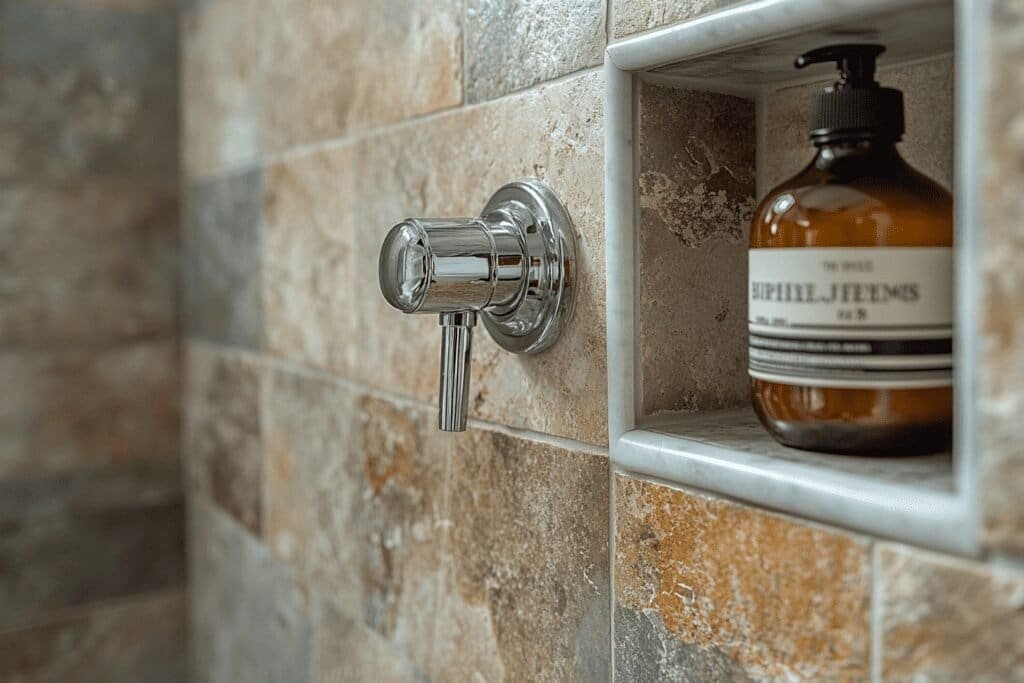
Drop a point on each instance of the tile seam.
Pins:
(63, 614)
(400, 400)
(265, 160)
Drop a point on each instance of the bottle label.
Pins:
(852, 317)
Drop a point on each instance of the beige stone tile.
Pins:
(87, 263)
(308, 274)
(348, 652)
(223, 447)
(945, 619)
(696, 185)
(88, 92)
(249, 616)
(263, 76)
(450, 165)
(74, 408)
(708, 589)
(928, 108)
(513, 44)
(633, 16)
(354, 491)
(57, 561)
(1001, 380)
(222, 268)
(526, 590)
(140, 640)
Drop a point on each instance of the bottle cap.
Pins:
(855, 106)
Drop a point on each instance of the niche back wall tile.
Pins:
(696, 185)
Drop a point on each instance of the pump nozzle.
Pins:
(854, 107)
(856, 62)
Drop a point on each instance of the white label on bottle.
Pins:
(852, 317)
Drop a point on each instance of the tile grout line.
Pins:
(265, 160)
(87, 609)
(298, 368)
(874, 619)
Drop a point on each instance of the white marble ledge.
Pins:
(728, 453)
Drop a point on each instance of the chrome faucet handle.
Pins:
(515, 266)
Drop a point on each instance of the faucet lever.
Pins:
(515, 266)
(456, 344)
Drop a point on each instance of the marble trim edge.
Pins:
(943, 521)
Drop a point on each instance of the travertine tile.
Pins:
(348, 652)
(450, 165)
(138, 640)
(74, 408)
(944, 619)
(55, 561)
(222, 268)
(928, 108)
(87, 490)
(264, 76)
(1001, 380)
(707, 589)
(309, 298)
(249, 619)
(87, 263)
(354, 502)
(87, 91)
(526, 591)
(633, 16)
(696, 184)
(223, 445)
(513, 44)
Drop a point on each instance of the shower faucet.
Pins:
(514, 267)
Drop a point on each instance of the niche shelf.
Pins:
(746, 51)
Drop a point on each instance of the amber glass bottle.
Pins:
(851, 283)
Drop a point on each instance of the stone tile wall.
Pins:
(91, 512)
(337, 536)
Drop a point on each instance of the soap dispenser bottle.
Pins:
(851, 269)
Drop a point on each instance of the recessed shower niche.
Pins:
(703, 118)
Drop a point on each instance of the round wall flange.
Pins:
(535, 321)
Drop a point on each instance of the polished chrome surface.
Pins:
(456, 344)
(515, 266)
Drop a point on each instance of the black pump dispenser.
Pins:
(855, 107)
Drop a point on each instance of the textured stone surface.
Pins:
(947, 620)
(928, 106)
(450, 165)
(138, 640)
(348, 652)
(354, 502)
(87, 263)
(1001, 382)
(309, 300)
(54, 561)
(257, 80)
(223, 258)
(706, 585)
(633, 16)
(248, 618)
(513, 44)
(84, 490)
(73, 408)
(696, 187)
(223, 439)
(87, 91)
(526, 589)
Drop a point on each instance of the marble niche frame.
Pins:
(806, 487)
